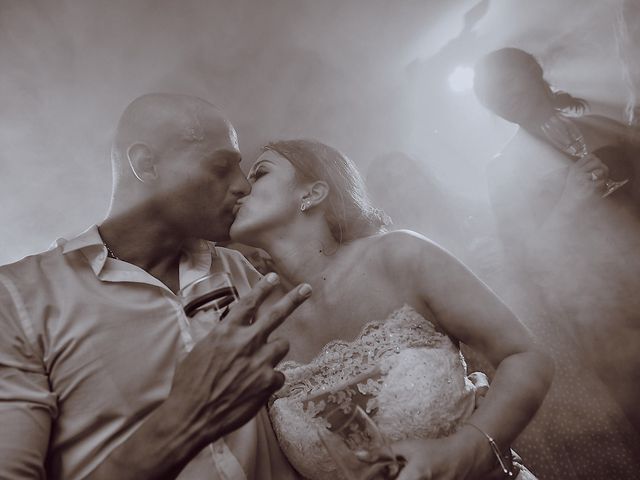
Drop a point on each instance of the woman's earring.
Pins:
(306, 204)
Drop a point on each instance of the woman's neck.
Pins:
(303, 257)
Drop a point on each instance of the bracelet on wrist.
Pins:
(506, 469)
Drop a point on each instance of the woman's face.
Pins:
(274, 200)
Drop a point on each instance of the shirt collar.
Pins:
(90, 244)
(89, 238)
(197, 258)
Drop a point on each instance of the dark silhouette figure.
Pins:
(573, 260)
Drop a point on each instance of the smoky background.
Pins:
(386, 82)
(368, 76)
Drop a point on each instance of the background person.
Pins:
(573, 267)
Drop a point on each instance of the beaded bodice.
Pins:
(409, 377)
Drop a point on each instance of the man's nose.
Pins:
(241, 186)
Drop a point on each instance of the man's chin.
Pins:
(221, 234)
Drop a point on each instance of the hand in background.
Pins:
(586, 179)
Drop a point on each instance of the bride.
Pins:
(386, 317)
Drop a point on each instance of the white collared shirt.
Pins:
(88, 348)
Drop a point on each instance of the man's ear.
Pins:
(316, 193)
(142, 162)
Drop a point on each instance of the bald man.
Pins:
(100, 373)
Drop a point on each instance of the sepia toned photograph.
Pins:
(320, 239)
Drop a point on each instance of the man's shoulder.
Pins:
(55, 255)
(31, 263)
(37, 273)
(30, 276)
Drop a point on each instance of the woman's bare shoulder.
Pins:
(404, 248)
(400, 236)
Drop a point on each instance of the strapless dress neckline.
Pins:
(408, 376)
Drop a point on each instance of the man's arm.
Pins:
(27, 406)
(219, 386)
(25, 433)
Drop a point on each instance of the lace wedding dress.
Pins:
(409, 377)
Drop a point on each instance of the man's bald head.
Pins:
(165, 122)
(176, 163)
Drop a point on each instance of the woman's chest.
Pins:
(339, 308)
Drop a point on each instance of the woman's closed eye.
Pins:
(256, 174)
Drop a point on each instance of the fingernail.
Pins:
(305, 290)
(272, 278)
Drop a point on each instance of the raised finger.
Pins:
(270, 317)
(244, 311)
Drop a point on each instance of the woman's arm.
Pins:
(465, 308)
